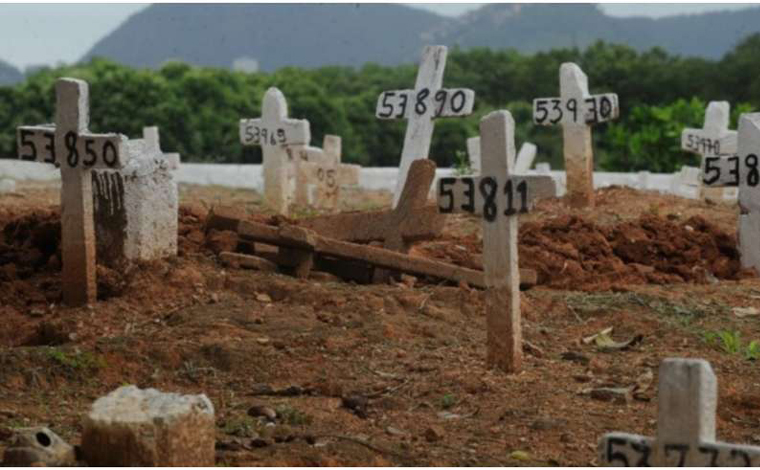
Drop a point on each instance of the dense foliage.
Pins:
(198, 109)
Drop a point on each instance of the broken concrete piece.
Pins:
(134, 427)
(38, 446)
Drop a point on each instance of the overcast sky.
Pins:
(34, 34)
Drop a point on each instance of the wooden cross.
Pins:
(428, 100)
(687, 400)
(742, 170)
(498, 196)
(576, 110)
(412, 220)
(523, 162)
(713, 140)
(320, 174)
(274, 131)
(70, 146)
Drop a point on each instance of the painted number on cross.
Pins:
(592, 110)
(483, 195)
(255, 134)
(703, 145)
(79, 151)
(406, 103)
(726, 170)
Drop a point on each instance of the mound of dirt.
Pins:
(570, 252)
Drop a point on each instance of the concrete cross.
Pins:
(687, 400)
(713, 140)
(576, 111)
(320, 174)
(274, 131)
(498, 196)
(742, 170)
(428, 100)
(69, 145)
(523, 162)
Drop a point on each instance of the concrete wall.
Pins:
(250, 176)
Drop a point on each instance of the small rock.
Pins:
(262, 389)
(214, 298)
(262, 411)
(259, 442)
(575, 357)
(38, 446)
(356, 403)
(395, 431)
(263, 340)
(433, 434)
(265, 298)
(542, 424)
(520, 455)
(618, 395)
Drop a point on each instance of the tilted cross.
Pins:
(274, 131)
(742, 170)
(714, 140)
(428, 100)
(498, 195)
(412, 220)
(523, 162)
(70, 145)
(576, 111)
(320, 174)
(686, 405)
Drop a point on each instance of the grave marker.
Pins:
(320, 174)
(498, 196)
(742, 170)
(69, 145)
(428, 100)
(523, 162)
(136, 207)
(687, 400)
(713, 141)
(576, 111)
(274, 131)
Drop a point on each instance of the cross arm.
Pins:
(490, 196)
(444, 102)
(285, 132)
(619, 449)
(91, 151)
(590, 110)
(706, 143)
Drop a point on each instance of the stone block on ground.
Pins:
(134, 427)
(38, 446)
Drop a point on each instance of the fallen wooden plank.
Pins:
(238, 260)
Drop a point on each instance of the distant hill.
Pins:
(539, 27)
(274, 35)
(270, 36)
(9, 74)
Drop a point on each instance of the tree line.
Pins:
(198, 109)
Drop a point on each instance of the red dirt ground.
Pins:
(657, 266)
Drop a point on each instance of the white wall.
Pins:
(250, 177)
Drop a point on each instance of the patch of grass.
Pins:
(730, 342)
(292, 416)
(683, 312)
(462, 163)
(448, 400)
(76, 361)
(245, 426)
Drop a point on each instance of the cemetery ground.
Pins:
(348, 374)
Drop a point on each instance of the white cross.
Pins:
(69, 145)
(686, 405)
(274, 131)
(576, 110)
(428, 100)
(713, 140)
(320, 174)
(498, 196)
(523, 162)
(742, 170)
